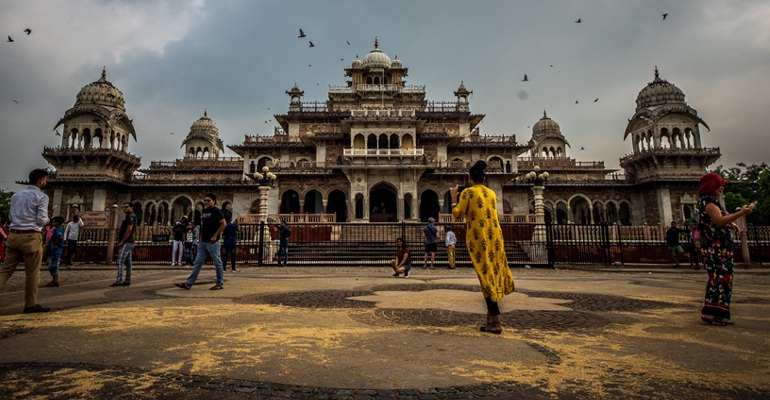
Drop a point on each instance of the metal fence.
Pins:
(357, 244)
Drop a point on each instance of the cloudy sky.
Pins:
(173, 59)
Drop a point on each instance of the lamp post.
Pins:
(538, 179)
(265, 180)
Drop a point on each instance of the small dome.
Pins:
(546, 127)
(396, 63)
(101, 92)
(659, 92)
(376, 58)
(357, 62)
(204, 126)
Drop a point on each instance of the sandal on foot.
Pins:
(183, 286)
(51, 284)
(216, 287)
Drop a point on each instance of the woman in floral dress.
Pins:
(716, 227)
(484, 240)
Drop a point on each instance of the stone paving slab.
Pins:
(349, 333)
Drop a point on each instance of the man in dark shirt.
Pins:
(126, 245)
(672, 240)
(212, 225)
(283, 246)
(177, 250)
(430, 232)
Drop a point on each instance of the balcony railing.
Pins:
(557, 163)
(382, 113)
(377, 88)
(383, 152)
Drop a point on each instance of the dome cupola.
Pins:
(203, 139)
(546, 127)
(357, 63)
(102, 93)
(376, 58)
(659, 92)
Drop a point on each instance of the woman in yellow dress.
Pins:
(484, 241)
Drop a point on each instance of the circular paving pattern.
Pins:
(587, 309)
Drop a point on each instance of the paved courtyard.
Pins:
(356, 333)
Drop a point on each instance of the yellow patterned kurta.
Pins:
(484, 239)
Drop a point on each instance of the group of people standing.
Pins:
(477, 204)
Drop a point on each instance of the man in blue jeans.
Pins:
(212, 225)
(126, 245)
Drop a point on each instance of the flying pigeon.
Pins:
(301, 34)
(582, 148)
(525, 78)
(28, 31)
(348, 42)
(16, 101)
(311, 44)
(664, 16)
(576, 101)
(10, 39)
(595, 100)
(578, 21)
(57, 133)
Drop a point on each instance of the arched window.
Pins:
(394, 142)
(371, 141)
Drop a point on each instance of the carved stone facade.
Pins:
(379, 150)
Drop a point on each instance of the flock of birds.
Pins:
(27, 31)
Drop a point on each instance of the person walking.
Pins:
(484, 241)
(29, 213)
(55, 249)
(403, 262)
(212, 225)
(283, 245)
(190, 242)
(430, 232)
(229, 242)
(716, 226)
(126, 245)
(47, 233)
(71, 234)
(672, 240)
(177, 250)
(450, 241)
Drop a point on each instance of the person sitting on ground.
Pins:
(403, 262)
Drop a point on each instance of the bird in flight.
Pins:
(265, 121)
(582, 148)
(28, 31)
(311, 44)
(57, 133)
(301, 34)
(310, 65)
(16, 101)
(576, 101)
(342, 59)
(579, 20)
(525, 78)
(10, 39)
(595, 100)
(348, 42)
(172, 133)
(664, 16)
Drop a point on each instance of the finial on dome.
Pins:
(657, 76)
(375, 42)
(205, 113)
(104, 74)
(544, 114)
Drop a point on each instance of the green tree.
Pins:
(5, 203)
(748, 183)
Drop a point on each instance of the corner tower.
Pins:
(665, 136)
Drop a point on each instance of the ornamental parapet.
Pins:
(90, 152)
(557, 163)
(383, 152)
(188, 163)
(671, 152)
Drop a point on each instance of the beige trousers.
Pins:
(27, 247)
(450, 252)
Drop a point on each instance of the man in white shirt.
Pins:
(29, 214)
(71, 236)
(450, 241)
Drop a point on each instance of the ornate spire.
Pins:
(205, 113)
(375, 42)
(104, 74)
(657, 76)
(544, 114)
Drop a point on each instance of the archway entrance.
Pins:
(289, 202)
(382, 204)
(337, 204)
(428, 205)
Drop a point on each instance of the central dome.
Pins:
(101, 92)
(659, 92)
(376, 58)
(546, 126)
(204, 126)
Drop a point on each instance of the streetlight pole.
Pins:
(266, 180)
(539, 235)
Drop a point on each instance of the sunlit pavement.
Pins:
(358, 333)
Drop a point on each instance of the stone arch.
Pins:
(407, 142)
(580, 211)
(394, 141)
(382, 142)
(138, 212)
(163, 213)
(371, 141)
(337, 203)
(429, 207)
(290, 202)
(359, 142)
(494, 163)
(408, 200)
(150, 210)
(597, 212)
(562, 216)
(181, 206)
(611, 210)
(359, 200)
(624, 213)
(262, 162)
(383, 206)
(313, 202)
